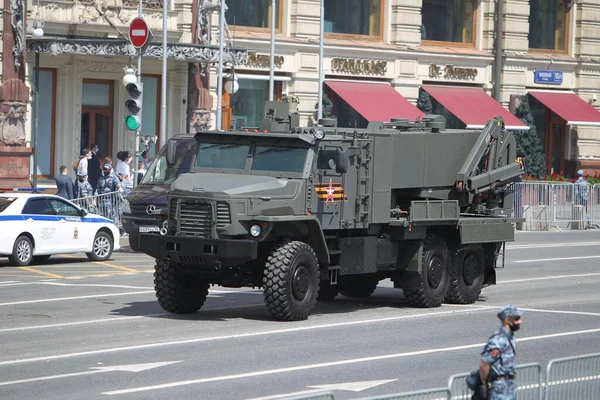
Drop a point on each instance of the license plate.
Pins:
(149, 229)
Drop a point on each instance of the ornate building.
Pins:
(382, 58)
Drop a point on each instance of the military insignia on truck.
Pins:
(331, 193)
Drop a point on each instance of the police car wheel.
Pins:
(101, 248)
(22, 251)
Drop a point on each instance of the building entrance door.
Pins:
(555, 144)
(97, 115)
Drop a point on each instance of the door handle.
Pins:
(62, 221)
(30, 219)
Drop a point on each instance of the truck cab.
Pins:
(151, 193)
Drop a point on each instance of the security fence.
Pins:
(108, 205)
(571, 378)
(556, 205)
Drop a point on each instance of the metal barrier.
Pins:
(529, 383)
(573, 378)
(108, 205)
(556, 205)
(427, 394)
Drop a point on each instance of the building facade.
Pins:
(383, 58)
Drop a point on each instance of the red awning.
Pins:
(569, 107)
(375, 101)
(473, 106)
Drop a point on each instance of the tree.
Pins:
(424, 102)
(327, 105)
(529, 146)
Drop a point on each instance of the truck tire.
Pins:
(433, 273)
(327, 291)
(291, 281)
(178, 293)
(466, 275)
(358, 286)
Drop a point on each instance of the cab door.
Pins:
(40, 220)
(74, 235)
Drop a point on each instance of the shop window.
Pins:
(448, 21)
(353, 17)
(248, 103)
(253, 13)
(548, 25)
(46, 127)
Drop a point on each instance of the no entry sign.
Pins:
(138, 32)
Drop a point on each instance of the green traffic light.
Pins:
(132, 123)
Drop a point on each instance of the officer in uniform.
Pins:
(498, 367)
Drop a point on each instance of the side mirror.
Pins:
(342, 160)
(83, 213)
(171, 152)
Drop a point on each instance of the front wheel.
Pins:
(178, 293)
(102, 247)
(291, 281)
(22, 251)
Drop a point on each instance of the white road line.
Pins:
(235, 336)
(589, 314)
(555, 259)
(287, 395)
(93, 285)
(546, 245)
(74, 298)
(544, 278)
(336, 363)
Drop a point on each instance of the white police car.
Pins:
(35, 226)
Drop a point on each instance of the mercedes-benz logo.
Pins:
(150, 209)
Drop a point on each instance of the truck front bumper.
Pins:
(199, 251)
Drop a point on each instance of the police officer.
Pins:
(498, 367)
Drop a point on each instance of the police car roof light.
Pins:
(21, 189)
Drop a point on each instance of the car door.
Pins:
(74, 236)
(41, 222)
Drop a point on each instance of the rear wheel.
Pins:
(466, 275)
(434, 276)
(291, 281)
(22, 251)
(178, 293)
(102, 247)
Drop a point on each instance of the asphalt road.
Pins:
(72, 329)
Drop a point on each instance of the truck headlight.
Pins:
(255, 230)
(126, 206)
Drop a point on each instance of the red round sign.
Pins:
(138, 32)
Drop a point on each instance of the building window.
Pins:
(548, 25)
(248, 103)
(46, 135)
(353, 17)
(448, 21)
(253, 14)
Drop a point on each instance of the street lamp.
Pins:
(38, 32)
(130, 76)
(231, 84)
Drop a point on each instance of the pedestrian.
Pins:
(498, 359)
(581, 187)
(86, 192)
(82, 165)
(94, 170)
(107, 190)
(64, 184)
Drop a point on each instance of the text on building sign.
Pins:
(451, 72)
(263, 60)
(353, 65)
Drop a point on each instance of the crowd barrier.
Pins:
(570, 378)
(556, 205)
(108, 205)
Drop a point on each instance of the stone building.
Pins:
(381, 56)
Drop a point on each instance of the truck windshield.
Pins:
(263, 158)
(160, 173)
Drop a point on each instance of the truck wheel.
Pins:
(358, 286)
(466, 275)
(327, 291)
(433, 270)
(134, 242)
(178, 293)
(291, 281)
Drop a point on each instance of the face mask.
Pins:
(515, 327)
(81, 179)
(106, 173)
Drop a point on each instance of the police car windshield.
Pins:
(160, 173)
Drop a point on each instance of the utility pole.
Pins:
(163, 105)
(137, 131)
(272, 71)
(498, 49)
(220, 75)
(320, 92)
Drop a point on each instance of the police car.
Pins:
(35, 226)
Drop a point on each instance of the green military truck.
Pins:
(307, 213)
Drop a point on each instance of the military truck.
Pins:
(307, 213)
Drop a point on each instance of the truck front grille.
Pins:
(195, 218)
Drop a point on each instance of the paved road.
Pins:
(71, 329)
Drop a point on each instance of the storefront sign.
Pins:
(263, 60)
(356, 66)
(451, 72)
(547, 76)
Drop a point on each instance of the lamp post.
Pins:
(272, 60)
(220, 75)
(320, 92)
(38, 32)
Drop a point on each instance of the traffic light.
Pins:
(133, 105)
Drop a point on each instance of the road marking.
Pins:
(546, 245)
(95, 370)
(589, 314)
(116, 266)
(288, 395)
(92, 285)
(544, 278)
(235, 336)
(336, 363)
(556, 259)
(37, 271)
(74, 298)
